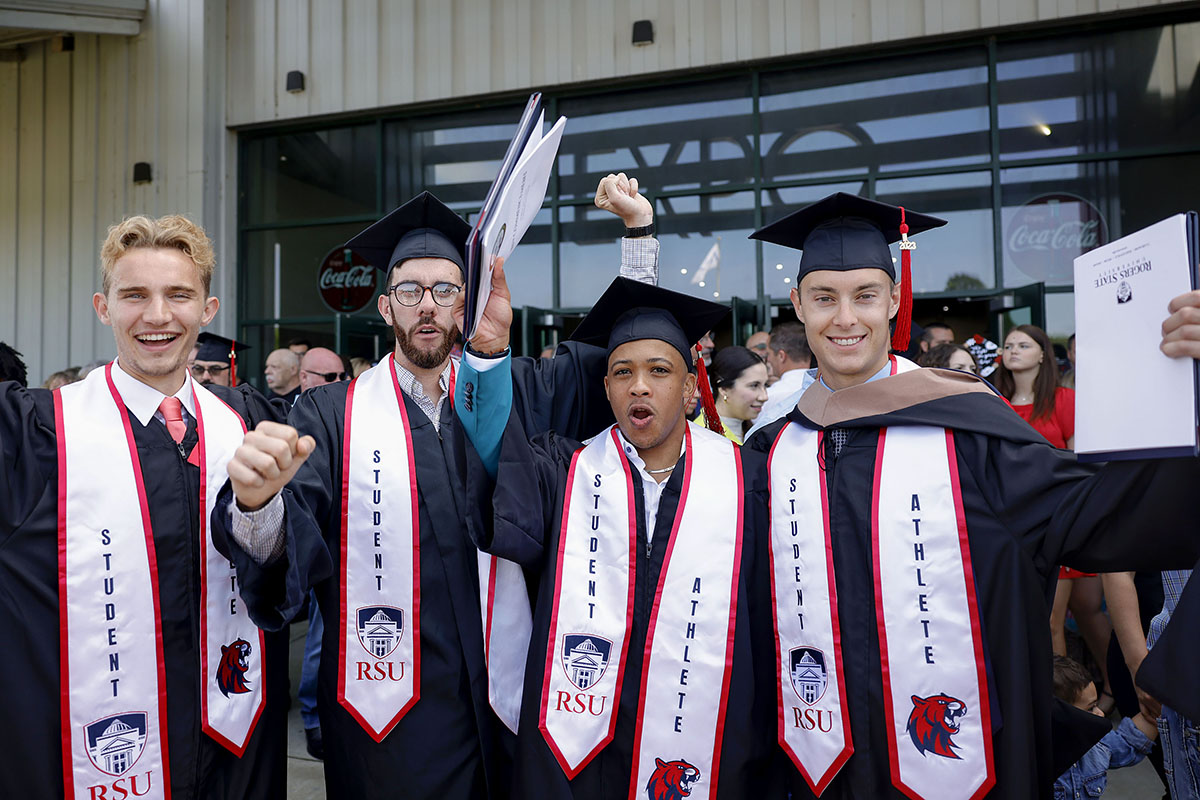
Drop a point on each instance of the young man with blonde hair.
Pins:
(131, 667)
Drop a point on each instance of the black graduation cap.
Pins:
(844, 232)
(630, 310)
(210, 347)
(424, 227)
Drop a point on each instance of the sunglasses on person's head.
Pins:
(328, 377)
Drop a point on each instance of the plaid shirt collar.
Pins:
(411, 386)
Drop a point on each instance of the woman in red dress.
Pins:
(1028, 378)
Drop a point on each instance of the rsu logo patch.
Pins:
(115, 742)
(584, 658)
(380, 629)
(809, 674)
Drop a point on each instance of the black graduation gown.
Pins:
(1029, 508)
(449, 745)
(519, 518)
(31, 745)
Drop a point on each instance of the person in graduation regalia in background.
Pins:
(214, 360)
(130, 666)
(373, 521)
(651, 577)
(917, 528)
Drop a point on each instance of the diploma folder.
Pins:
(512, 201)
(1131, 401)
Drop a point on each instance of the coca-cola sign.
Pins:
(1045, 235)
(346, 281)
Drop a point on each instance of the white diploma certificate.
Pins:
(1131, 401)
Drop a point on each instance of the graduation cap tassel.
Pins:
(903, 330)
(712, 420)
(232, 366)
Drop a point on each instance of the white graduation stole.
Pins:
(507, 630)
(232, 646)
(688, 654)
(114, 732)
(379, 647)
(114, 686)
(931, 647)
(931, 650)
(814, 722)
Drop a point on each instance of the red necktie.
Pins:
(172, 411)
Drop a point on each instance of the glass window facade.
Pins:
(1034, 147)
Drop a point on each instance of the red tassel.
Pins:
(900, 338)
(712, 420)
(232, 367)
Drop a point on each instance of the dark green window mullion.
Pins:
(760, 284)
(994, 136)
(242, 245)
(555, 268)
(311, 222)
(380, 170)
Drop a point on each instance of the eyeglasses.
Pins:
(411, 293)
(328, 377)
(216, 371)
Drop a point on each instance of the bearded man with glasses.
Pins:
(373, 520)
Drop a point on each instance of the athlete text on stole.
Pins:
(918, 560)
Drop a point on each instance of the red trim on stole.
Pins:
(551, 646)
(848, 743)
(341, 687)
(888, 709)
(64, 670)
(820, 785)
(150, 554)
(985, 702)
(733, 604)
(775, 610)
(205, 725)
(662, 577)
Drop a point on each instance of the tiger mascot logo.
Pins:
(933, 721)
(671, 780)
(231, 673)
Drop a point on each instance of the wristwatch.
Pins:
(644, 230)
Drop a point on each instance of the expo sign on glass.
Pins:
(346, 281)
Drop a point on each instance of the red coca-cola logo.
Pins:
(1045, 235)
(346, 281)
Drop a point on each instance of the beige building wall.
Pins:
(72, 124)
(362, 54)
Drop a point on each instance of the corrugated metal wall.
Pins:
(72, 124)
(359, 54)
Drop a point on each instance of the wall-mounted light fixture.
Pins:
(643, 32)
(141, 172)
(295, 81)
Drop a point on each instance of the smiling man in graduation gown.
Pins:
(373, 522)
(130, 665)
(917, 525)
(640, 680)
